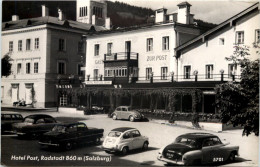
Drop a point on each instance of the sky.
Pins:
(207, 10)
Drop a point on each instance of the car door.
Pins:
(72, 134)
(137, 139)
(118, 112)
(82, 133)
(49, 123)
(207, 150)
(124, 113)
(128, 139)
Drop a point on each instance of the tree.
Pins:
(239, 102)
(6, 66)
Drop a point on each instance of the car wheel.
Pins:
(124, 150)
(34, 136)
(145, 146)
(68, 146)
(131, 118)
(114, 117)
(97, 141)
(232, 157)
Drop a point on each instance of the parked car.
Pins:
(196, 149)
(96, 110)
(8, 118)
(124, 139)
(66, 135)
(126, 112)
(34, 125)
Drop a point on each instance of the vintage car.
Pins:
(34, 125)
(125, 112)
(68, 134)
(8, 118)
(124, 139)
(196, 149)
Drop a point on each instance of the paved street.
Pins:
(159, 135)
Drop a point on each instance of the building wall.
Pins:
(23, 57)
(156, 59)
(47, 56)
(212, 52)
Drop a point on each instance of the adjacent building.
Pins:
(46, 52)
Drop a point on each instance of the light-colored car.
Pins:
(124, 139)
(197, 149)
(126, 112)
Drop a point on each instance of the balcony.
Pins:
(120, 56)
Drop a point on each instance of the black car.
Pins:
(34, 125)
(68, 134)
(197, 149)
(8, 118)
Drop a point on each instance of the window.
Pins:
(209, 71)
(232, 70)
(19, 67)
(96, 50)
(164, 71)
(20, 45)
(83, 11)
(80, 72)
(149, 44)
(11, 46)
(36, 67)
(221, 41)
(109, 48)
(61, 68)
(98, 12)
(28, 44)
(36, 43)
(63, 100)
(28, 68)
(148, 73)
(62, 44)
(80, 47)
(165, 43)
(257, 36)
(187, 70)
(95, 74)
(240, 37)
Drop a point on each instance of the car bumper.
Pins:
(18, 133)
(160, 158)
(111, 149)
(49, 144)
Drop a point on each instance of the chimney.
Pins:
(61, 15)
(184, 15)
(45, 11)
(107, 24)
(160, 15)
(15, 17)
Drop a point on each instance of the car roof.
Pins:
(69, 124)
(197, 135)
(9, 112)
(124, 106)
(36, 116)
(122, 129)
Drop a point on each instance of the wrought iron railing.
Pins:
(121, 56)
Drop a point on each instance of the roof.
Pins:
(197, 135)
(217, 28)
(39, 116)
(184, 4)
(122, 129)
(23, 23)
(70, 123)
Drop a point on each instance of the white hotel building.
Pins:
(173, 54)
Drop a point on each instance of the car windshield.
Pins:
(59, 128)
(114, 134)
(186, 141)
(28, 120)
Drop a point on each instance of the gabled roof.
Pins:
(219, 27)
(23, 23)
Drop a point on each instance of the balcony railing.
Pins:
(169, 78)
(121, 56)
